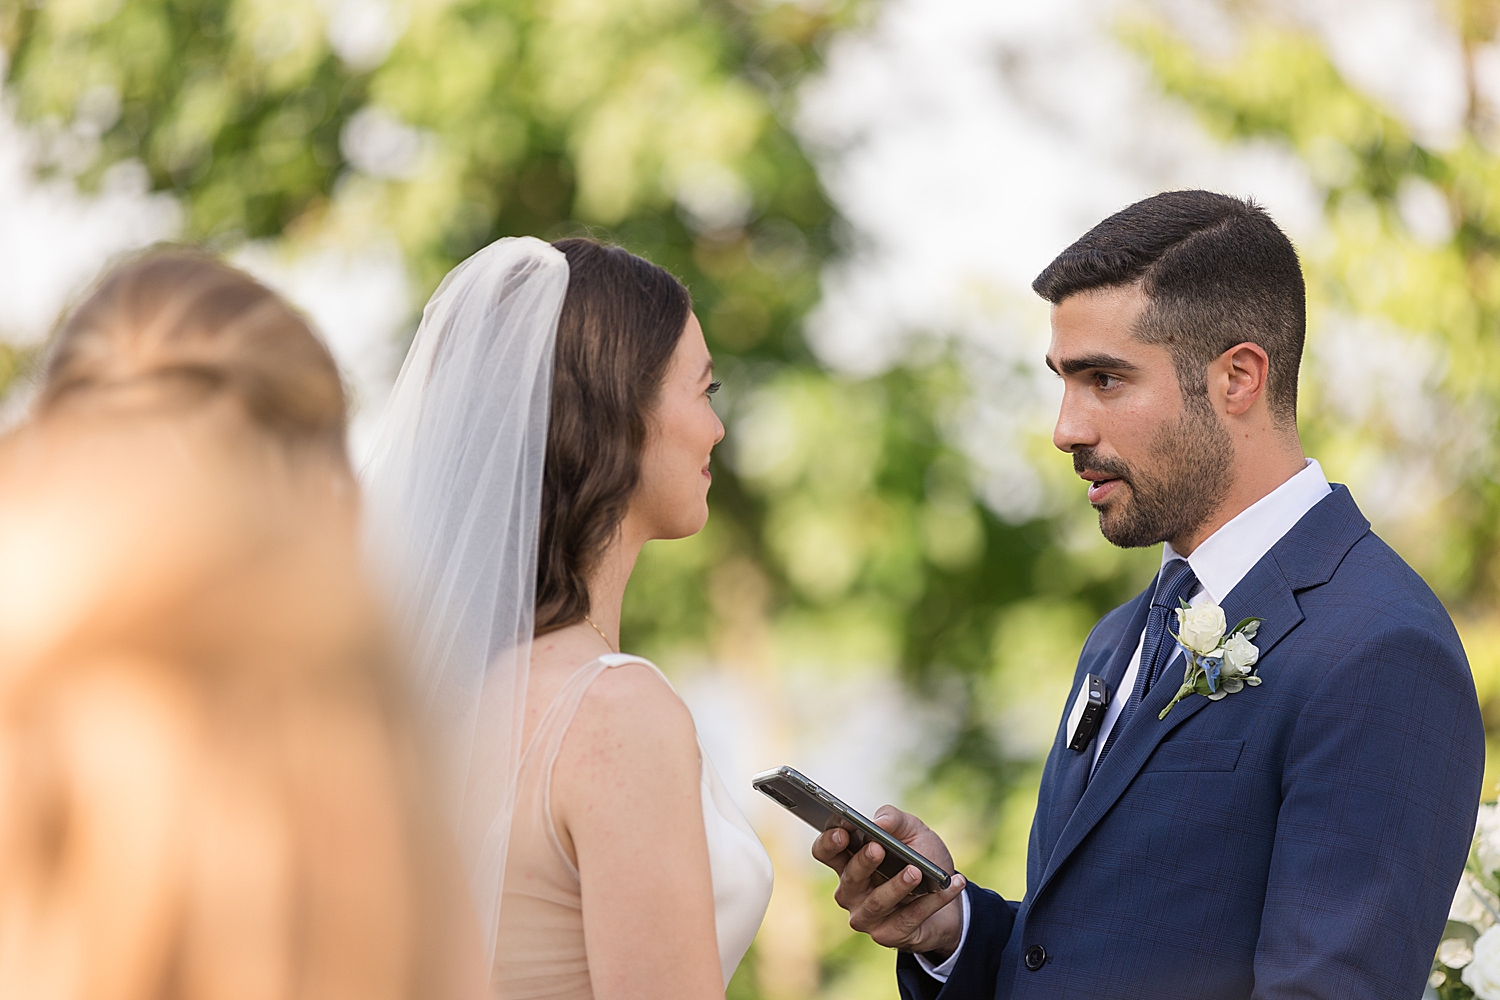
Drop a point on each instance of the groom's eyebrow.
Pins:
(1089, 362)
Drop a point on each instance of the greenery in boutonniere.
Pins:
(1217, 665)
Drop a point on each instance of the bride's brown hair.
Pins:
(621, 320)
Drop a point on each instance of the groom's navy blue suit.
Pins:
(1298, 839)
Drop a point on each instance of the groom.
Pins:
(1299, 838)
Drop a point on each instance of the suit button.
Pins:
(1036, 957)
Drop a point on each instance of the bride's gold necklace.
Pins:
(596, 628)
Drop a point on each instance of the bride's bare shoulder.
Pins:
(629, 710)
(630, 707)
(630, 753)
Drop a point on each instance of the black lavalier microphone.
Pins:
(1088, 712)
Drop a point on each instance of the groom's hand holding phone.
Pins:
(886, 910)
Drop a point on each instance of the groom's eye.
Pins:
(1105, 381)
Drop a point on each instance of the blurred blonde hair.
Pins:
(209, 784)
(181, 326)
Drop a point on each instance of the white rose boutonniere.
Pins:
(1217, 664)
(1200, 628)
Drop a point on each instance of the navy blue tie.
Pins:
(1173, 584)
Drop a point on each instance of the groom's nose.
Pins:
(1073, 429)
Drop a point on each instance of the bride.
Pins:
(551, 417)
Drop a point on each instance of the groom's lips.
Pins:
(1100, 486)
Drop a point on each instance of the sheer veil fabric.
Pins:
(454, 486)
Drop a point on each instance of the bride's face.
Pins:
(672, 498)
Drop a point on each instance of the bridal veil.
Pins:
(454, 487)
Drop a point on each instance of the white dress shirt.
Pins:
(1219, 563)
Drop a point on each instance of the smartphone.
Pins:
(822, 810)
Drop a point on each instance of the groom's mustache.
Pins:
(1088, 460)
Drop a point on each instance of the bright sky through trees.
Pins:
(899, 570)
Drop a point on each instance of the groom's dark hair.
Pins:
(1216, 271)
(621, 320)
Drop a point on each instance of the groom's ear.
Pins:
(1241, 371)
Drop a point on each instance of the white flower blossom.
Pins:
(1201, 627)
(1482, 974)
(1223, 665)
(1469, 903)
(1487, 831)
(1240, 655)
(1455, 953)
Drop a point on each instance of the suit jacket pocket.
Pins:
(1196, 755)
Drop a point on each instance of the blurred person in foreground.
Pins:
(208, 784)
(175, 330)
(552, 416)
(1280, 797)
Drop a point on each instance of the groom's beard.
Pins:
(1187, 483)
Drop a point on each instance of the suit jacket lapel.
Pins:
(1307, 556)
(1263, 593)
(1071, 775)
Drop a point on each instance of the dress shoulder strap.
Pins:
(540, 755)
(547, 739)
(621, 659)
(554, 724)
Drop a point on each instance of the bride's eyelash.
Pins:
(713, 387)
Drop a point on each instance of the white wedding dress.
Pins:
(539, 949)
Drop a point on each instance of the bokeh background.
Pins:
(899, 571)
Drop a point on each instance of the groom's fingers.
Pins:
(832, 849)
(901, 825)
(912, 831)
(876, 906)
(854, 880)
(894, 918)
(905, 928)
